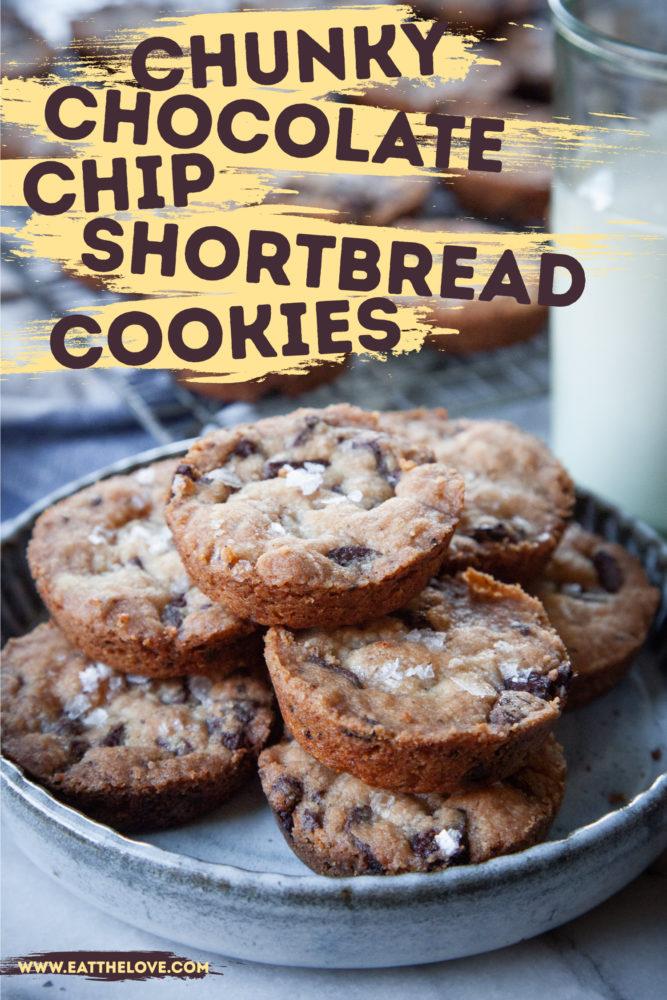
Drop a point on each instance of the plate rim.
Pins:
(307, 886)
(310, 886)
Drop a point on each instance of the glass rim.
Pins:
(639, 61)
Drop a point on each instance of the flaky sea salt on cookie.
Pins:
(107, 569)
(601, 603)
(340, 826)
(517, 494)
(131, 751)
(457, 687)
(313, 518)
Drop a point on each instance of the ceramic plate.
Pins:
(229, 884)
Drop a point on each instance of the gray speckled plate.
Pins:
(228, 884)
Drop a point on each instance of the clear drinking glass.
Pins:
(609, 349)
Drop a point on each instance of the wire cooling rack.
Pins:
(34, 289)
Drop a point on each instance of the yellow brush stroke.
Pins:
(456, 54)
(37, 357)
(60, 238)
(237, 199)
(412, 317)
(524, 142)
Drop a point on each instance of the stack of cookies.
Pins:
(418, 681)
(142, 703)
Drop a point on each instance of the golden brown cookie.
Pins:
(518, 496)
(315, 517)
(136, 753)
(340, 826)
(601, 603)
(456, 688)
(107, 569)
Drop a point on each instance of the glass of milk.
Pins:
(609, 349)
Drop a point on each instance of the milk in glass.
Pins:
(609, 349)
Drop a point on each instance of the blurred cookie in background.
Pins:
(601, 603)
(486, 80)
(19, 142)
(23, 52)
(248, 392)
(520, 192)
(529, 49)
(103, 34)
(475, 15)
(374, 201)
(482, 326)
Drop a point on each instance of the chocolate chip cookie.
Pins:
(340, 826)
(517, 495)
(130, 751)
(601, 603)
(107, 569)
(457, 687)
(316, 517)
